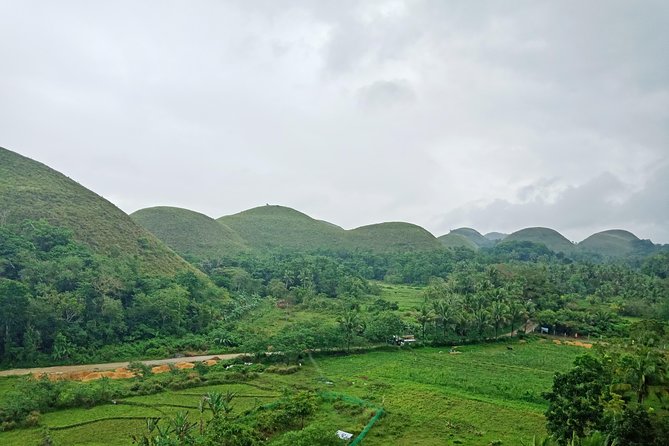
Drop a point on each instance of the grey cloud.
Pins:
(355, 112)
(381, 94)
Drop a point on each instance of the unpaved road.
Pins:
(111, 365)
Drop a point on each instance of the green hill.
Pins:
(189, 233)
(611, 243)
(455, 240)
(392, 237)
(495, 236)
(268, 227)
(474, 236)
(32, 190)
(552, 239)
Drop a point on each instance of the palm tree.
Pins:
(516, 312)
(447, 312)
(499, 313)
(351, 325)
(424, 316)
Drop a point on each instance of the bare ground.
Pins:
(110, 365)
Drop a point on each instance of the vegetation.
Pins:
(32, 191)
(81, 282)
(552, 239)
(192, 235)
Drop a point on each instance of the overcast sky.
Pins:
(496, 115)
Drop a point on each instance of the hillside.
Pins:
(454, 240)
(549, 237)
(190, 234)
(611, 243)
(392, 237)
(474, 236)
(268, 227)
(32, 190)
(495, 236)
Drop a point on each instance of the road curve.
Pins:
(110, 365)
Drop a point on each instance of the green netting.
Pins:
(367, 428)
(331, 396)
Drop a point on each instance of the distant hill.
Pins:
(191, 234)
(267, 227)
(474, 236)
(32, 190)
(611, 243)
(392, 237)
(454, 240)
(552, 239)
(495, 236)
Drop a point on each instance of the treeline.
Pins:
(59, 301)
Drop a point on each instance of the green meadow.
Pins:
(431, 396)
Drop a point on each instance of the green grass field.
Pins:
(432, 397)
(405, 296)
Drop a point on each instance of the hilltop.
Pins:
(271, 226)
(552, 239)
(474, 236)
(392, 237)
(611, 243)
(189, 233)
(454, 240)
(32, 190)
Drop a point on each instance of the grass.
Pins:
(191, 234)
(453, 240)
(405, 296)
(270, 227)
(31, 190)
(612, 243)
(431, 397)
(549, 237)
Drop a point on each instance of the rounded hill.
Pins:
(189, 233)
(30, 190)
(272, 226)
(611, 243)
(552, 239)
(454, 240)
(393, 237)
(474, 236)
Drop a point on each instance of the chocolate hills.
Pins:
(30, 190)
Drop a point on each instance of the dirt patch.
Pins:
(119, 373)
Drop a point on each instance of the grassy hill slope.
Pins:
(611, 243)
(32, 190)
(392, 237)
(268, 227)
(474, 236)
(454, 240)
(549, 237)
(190, 233)
(495, 236)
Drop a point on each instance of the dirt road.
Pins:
(111, 365)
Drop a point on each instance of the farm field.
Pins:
(431, 397)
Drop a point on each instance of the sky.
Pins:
(497, 115)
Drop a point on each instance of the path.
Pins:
(111, 365)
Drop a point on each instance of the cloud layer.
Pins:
(494, 115)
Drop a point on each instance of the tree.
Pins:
(423, 317)
(13, 305)
(576, 400)
(351, 325)
(448, 312)
(499, 313)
